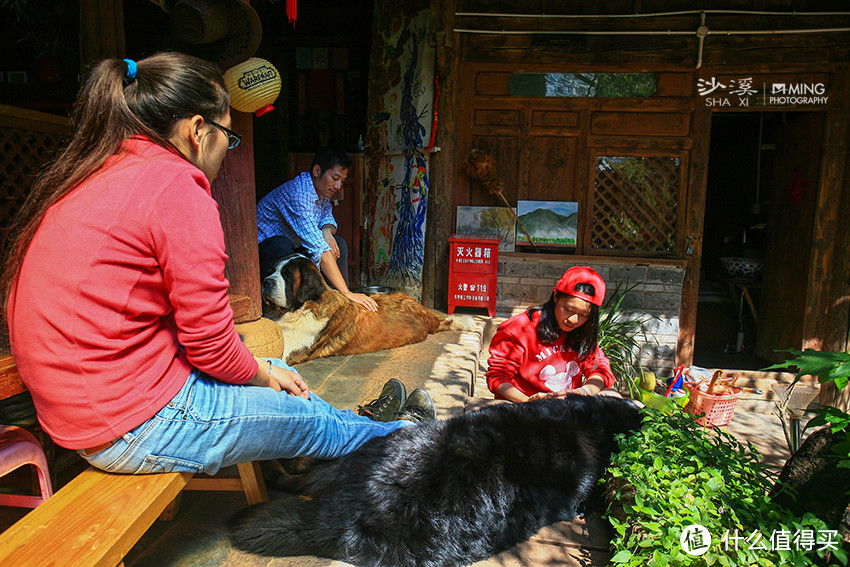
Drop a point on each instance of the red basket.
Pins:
(718, 408)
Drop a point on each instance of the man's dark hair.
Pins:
(331, 157)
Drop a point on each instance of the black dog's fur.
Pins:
(446, 493)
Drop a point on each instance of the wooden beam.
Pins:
(827, 314)
(234, 191)
(438, 228)
(101, 30)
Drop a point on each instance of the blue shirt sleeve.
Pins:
(295, 210)
(326, 215)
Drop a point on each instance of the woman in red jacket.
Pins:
(551, 350)
(116, 298)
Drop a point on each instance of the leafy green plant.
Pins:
(620, 338)
(827, 367)
(673, 473)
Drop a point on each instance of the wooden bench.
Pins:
(97, 517)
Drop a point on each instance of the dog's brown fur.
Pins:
(318, 321)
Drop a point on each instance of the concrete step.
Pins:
(445, 364)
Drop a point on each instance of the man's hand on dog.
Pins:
(362, 300)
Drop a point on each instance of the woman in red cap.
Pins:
(551, 350)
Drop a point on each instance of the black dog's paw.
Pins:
(277, 477)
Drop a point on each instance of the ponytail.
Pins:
(119, 99)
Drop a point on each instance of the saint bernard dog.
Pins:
(319, 321)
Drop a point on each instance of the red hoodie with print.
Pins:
(517, 357)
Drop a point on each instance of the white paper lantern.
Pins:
(253, 85)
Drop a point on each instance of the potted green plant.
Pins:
(621, 335)
(45, 27)
(827, 367)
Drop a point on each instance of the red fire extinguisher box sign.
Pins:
(473, 271)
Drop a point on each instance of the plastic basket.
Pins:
(718, 408)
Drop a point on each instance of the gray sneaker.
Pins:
(419, 407)
(389, 403)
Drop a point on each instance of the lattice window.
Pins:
(635, 205)
(24, 152)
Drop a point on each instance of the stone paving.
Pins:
(451, 366)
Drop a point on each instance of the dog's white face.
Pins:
(295, 280)
(274, 286)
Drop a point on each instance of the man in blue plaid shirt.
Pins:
(298, 217)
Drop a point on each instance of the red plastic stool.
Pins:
(19, 447)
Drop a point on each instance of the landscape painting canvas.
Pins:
(489, 220)
(551, 224)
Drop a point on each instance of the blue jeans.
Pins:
(210, 424)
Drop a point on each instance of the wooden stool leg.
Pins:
(171, 510)
(252, 482)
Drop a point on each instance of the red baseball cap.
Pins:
(579, 275)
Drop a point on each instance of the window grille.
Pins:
(635, 204)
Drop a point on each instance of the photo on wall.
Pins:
(489, 220)
(551, 224)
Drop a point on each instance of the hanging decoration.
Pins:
(408, 244)
(482, 167)
(292, 11)
(253, 86)
(797, 187)
(430, 148)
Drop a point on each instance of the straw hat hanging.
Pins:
(224, 31)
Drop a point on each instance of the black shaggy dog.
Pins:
(449, 492)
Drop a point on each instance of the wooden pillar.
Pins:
(233, 189)
(435, 264)
(101, 30)
(827, 317)
(694, 227)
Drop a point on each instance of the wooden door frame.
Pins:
(693, 228)
(827, 310)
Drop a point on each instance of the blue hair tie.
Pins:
(131, 69)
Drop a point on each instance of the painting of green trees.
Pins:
(500, 221)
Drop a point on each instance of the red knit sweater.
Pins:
(121, 292)
(517, 357)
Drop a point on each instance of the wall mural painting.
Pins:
(400, 129)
